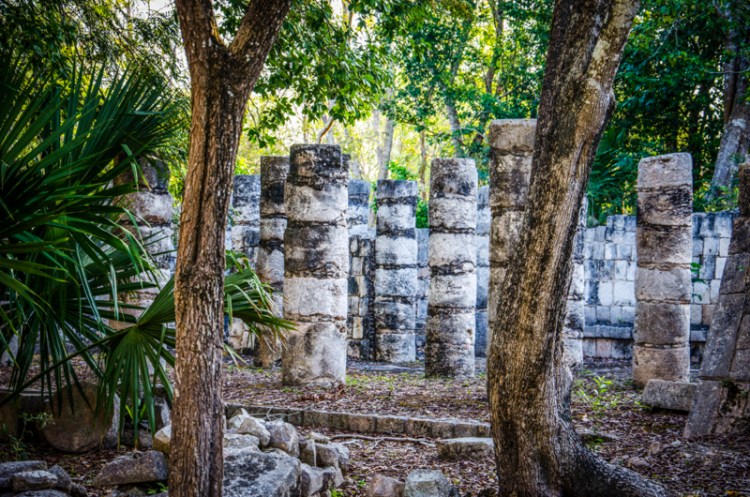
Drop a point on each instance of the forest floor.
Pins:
(604, 402)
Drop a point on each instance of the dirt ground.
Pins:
(604, 403)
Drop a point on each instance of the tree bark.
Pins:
(384, 150)
(222, 78)
(537, 451)
(735, 139)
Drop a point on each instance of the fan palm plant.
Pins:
(65, 259)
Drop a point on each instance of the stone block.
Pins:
(736, 276)
(606, 294)
(135, 467)
(661, 323)
(315, 354)
(664, 246)
(454, 290)
(512, 136)
(671, 364)
(401, 282)
(666, 206)
(396, 250)
(452, 213)
(671, 395)
(395, 347)
(463, 449)
(396, 218)
(451, 327)
(148, 207)
(623, 293)
(312, 251)
(306, 297)
(660, 285)
(248, 472)
(384, 486)
(428, 483)
(665, 170)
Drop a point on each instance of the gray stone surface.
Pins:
(512, 148)
(575, 310)
(672, 395)
(663, 283)
(163, 439)
(465, 449)
(332, 455)
(721, 403)
(451, 309)
(384, 486)
(80, 428)
(38, 479)
(396, 273)
(270, 265)
(482, 242)
(135, 467)
(8, 469)
(251, 473)
(42, 493)
(244, 424)
(240, 441)
(283, 436)
(316, 266)
(428, 483)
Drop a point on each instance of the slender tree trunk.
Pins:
(536, 449)
(222, 78)
(423, 165)
(735, 139)
(455, 127)
(384, 150)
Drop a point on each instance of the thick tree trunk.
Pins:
(537, 451)
(221, 80)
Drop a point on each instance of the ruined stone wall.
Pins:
(609, 290)
(423, 287)
(245, 216)
(360, 321)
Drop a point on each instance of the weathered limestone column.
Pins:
(246, 215)
(512, 148)
(451, 319)
(721, 401)
(361, 271)
(316, 266)
(270, 266)
(663, 287)
(395, 271)
(482, 242)
(574, 313)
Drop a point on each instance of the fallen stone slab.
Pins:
(136, 467)
(371, 423)
(428, 483)
(671, 395)
(37, 479)
(252, 473)
(472, 448)
(385, 486)
(8, 469)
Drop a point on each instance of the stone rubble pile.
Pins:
(262, 458)
(35, 479)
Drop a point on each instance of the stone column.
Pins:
(574, 313)
(246, 215)
(664, 245)
(395, 271)
(270, 266)
(482, 242)
(451, 319)
(720, 403)
(316, 266)
(361, 242)
(151, 206)
(512, 148)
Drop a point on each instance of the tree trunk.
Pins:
(384, 150)
(735, 139)
(222, 78)
(537, 451)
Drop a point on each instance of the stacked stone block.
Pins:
(151, 207)
(512, 149)
(270, 264)
(395, 271)
(482, 242)
(663, 279)
(316, 266)
(246, 216)
(711, 236)
(574, 312)
(451, 312)
(609, 288)
(423, 287)
(721, 403)
(361, 272)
